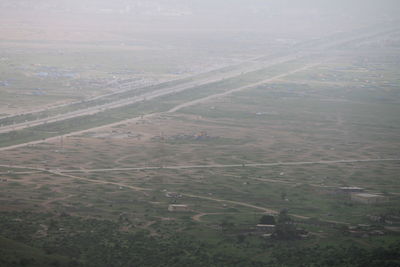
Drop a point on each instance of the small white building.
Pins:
(266, 228)
(178, 208)
(367, 198)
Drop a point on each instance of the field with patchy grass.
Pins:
(281, 138)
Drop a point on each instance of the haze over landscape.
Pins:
(199, 133)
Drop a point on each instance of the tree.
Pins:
(283, 217)
(241, 238)
(285, 229)
(267, 219)
(226, 225)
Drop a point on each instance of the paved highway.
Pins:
(212, 77)
(179, 88)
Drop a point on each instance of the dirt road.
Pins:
(210, 97)
(224, 166)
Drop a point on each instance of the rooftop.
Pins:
(350, 188)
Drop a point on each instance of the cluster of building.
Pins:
(387, 219)
(381, 224)
(176, 207)
(265, 230)
(364, 230)
(190, 137)
(173, 195)
(358, 195)
(115, 135)
(4, 83)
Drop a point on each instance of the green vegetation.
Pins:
(69, 241)
(19, 254)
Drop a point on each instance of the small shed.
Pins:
(178, 208)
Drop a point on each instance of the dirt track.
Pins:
(224, 166)
(239, 203)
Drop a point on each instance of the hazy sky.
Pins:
(297, 17)
(197, 6)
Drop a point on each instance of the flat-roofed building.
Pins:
(266, 228)
(351, 189)
(178, 208)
